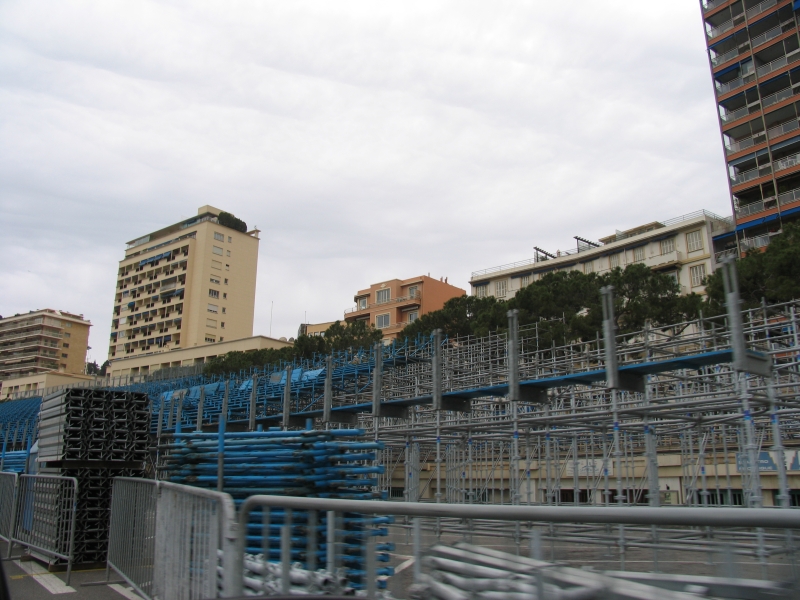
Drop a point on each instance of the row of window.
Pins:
(383, 321)
(212, 324)
(221, 238)
(384, 296)
(218, 251)
(216, 280)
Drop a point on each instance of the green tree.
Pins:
(228, 220)
(344, 336)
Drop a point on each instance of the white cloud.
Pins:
(367, 140)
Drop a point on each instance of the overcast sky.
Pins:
(367, 140)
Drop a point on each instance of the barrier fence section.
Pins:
(8, 501)
(132, 532)
(44, 516)
(168, 540)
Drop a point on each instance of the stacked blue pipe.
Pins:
(18, 422)
(313, 464)
(15, 462)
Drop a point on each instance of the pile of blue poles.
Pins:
(312, 464)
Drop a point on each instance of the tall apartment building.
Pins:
(754, 54)
(186, 285)
(680, 247)
(41, 341)
(393, 304)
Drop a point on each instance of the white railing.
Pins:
(720, 29)
(759, 8)
(789, 197)
(736, 114)
(763, 38)
(783, 128)
(723, 58)
(760, 241)
(779, 62)
(756, 207)
(777, 97)
(745, 143)
(787, 162)
(751, 174)
(719, 256)
(724, 88)
(712, 4)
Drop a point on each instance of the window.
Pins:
(480, 291)
(230, 239)
(412, 291)
(214, 280)
(673, 275)
(66, 335)
(362, 303)
(500, 288)
(216, 250)
(382, 321)
(668, 246)
(65, 344)
(219, 237)
(63, 355)
(613, 261)
(525, 280)
(383, 296)
(215, 264)
(697, 275)
(638, 254)
(226, 282)
(210, 339)
(225, 295)
(228, 252)
(213, 294)
(227, 267)
(588, 267)
(221, 339)
(213, 308)
(413, 316)
(67, 324)
(222, 324)
(223, 310)
(211, 323)
(694, 241)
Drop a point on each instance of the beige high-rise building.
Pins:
(186, 285)
(43, 340)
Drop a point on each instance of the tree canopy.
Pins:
(228, 220)
(339, 336)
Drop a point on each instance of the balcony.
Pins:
(736, 114)
(756, 207)
(746, 176)
(789, 197)
(760, 8)
(414, 298)
(713, 32)
(721, 59)
(783, 129)
(763, 38)
(778, 96)
(787, 162)
(744, 143)
(779, 63)
(663, 260)
(747, 77)
(720, 256)
(754, 243)
(712, 4)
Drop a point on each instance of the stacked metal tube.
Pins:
(314, 464)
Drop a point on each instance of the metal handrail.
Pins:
(711, 4)
(745, 176)
(724, 88)
(783, 128)
(744, 143)
(778, 96)
(756, 207)
(723, 58)
(736, 114)
(779, 62)
(789, 197)
(759, 8)
(787, 162)
(762, 38)
(759, 241)
(721, 28)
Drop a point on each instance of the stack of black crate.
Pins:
(93, 435)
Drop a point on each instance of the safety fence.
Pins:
(167, 540)
(8, 497)
(198, 534)
(43, 516)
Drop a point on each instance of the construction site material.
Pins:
(14, 462)
(93, 435)
(321, 464)
(18, 423)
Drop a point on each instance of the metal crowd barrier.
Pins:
(8, 501)
(166, 540)
(43, 517)
(132, 532)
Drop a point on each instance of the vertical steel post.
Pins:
(513, 397)
(223, 421)
(327, 395)
(287, 399)
(200, 408)
(251, 425)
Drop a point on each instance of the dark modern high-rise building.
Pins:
(754, 53)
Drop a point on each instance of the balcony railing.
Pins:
(723, 27)
(720, 59)
(724, 88)
(760, 241)
(783, 129)
(745, 143)
(787, 162)
(737, 114)
(712, 4)
(760, 8)
(778, 63)
(719, 256)
(763, 38)
(751, 174)
(789, 197)
(756, 207)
